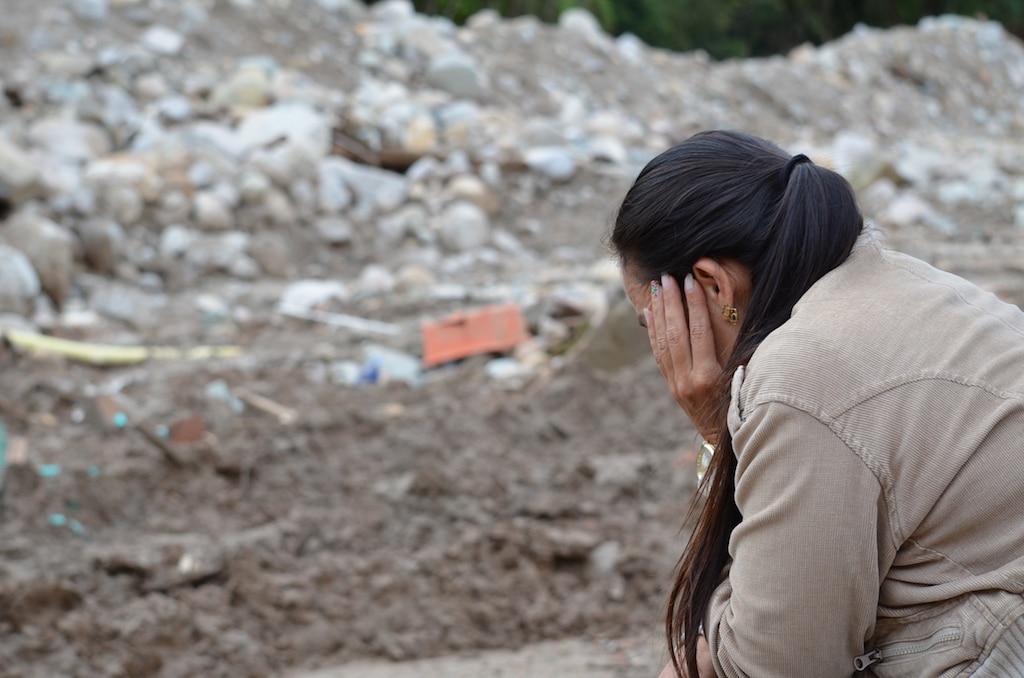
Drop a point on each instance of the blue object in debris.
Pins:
(57, 519)
(120, 420)
(48, 470)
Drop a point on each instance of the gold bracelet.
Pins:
(704, 455)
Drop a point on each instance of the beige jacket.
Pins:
(880, 443)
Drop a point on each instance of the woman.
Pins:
(864, 504)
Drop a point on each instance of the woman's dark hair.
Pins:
(727, 195)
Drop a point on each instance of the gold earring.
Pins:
(730, 313)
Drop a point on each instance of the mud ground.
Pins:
(384, 522)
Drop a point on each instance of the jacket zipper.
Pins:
(895, 650)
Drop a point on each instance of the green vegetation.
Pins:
(736, 28)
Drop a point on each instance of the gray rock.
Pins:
(609, 149)
(163, 41)
(376, 190)
(211, 213)
(456, 74)
(334, 230)
(123, 204)
(112, 107)
(70, 139)
(202, 174)
(48, 247)
(464, 226)
(102, 243)
(222, 253)
(407, 220)
(272, 252)
(278, 209)
(173, 207)
(295, 122)
(175, 108)
(250, 86)
(553, 162)
(254, 187)
(605, 558)
(472, 189)
(334, 194)
(286, 163)
(19, 284)
(304, 196)
(93, 11)
(175, 241)
(113, 171)
(19, 177)
(204, 136)
(581, 22)
(393, 11)
(128, 304)
(353, 9)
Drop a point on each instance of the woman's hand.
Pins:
(684, 351)
(704, 665)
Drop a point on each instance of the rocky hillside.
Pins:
(156, 145)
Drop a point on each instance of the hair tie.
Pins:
(790, 164)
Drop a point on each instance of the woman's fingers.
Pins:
(701, 345)
(674, 326)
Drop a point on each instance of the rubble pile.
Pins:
(293, 212)
(134, 152)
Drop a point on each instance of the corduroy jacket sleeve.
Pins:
(801, 595)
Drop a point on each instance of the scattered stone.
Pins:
(376, 190)
(334, 194)
(456, 74)
(93, 11)
(48, 247)
(175, 241)
(464, 226)
(472, 189)
(102, 243)
(222, 253)
(408, 220)
(211, 213)
(555, 163)
(273, 253)
(19, 284)
(123, 204)
(19, 178)
(70, 139)
(334, 230)
(250, 86)
(295, 122)
(163, 41)
(605, 558)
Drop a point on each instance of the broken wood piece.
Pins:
(285, 415)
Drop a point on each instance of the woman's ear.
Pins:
(714, 279)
